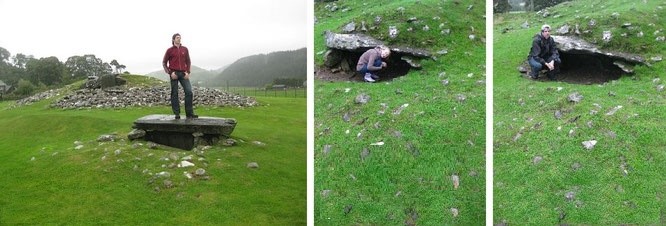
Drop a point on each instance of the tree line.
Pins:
(27, 74)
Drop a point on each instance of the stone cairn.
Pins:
(121, 97)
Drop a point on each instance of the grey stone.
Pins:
(660, 88)
(332, 58)
(378, 20)
(575, 97)
(606, 37)
(563, 30)
(136, 134)
(589, 144)
(164, 129)
(414, 63)
(573, 45)
(570, 196)
(393, 32)
(168, 184)
(525, 25)
(253, 165)
(349, 28)
(656, 58)
(362, 98)
(624, 66)
(200, 172)
(229, 142)
(106, 138)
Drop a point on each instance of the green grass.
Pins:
(534, 194)
(440, 136)
(63, 185)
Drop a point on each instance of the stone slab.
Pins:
(168, 123)
(184, 133)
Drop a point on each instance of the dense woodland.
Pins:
(25, 74)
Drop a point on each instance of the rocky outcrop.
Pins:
(574, 45)
(360, 43)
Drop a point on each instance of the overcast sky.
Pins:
(137, 33)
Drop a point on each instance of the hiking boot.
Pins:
(368, 77)
(192, 116)
(177, 116)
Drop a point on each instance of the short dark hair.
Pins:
(173, 37)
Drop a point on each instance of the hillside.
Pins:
(251, 71)
(200, 75)
(407, 150)
(597, 160)
(262, 69)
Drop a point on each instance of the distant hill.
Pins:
(199, 74)
(262, 69)
(256, 70)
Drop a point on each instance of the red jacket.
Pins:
(178, 58)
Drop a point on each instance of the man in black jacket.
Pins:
(544, 53)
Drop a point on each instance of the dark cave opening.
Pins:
(396, 66)
(588, 69)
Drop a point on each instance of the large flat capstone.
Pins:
(184, 133)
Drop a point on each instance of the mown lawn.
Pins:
(45, 180)
(543, 175)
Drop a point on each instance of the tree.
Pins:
(115, 65)
(121, 68)
(20, 60)
(24, 88)
(86, 65)
(48, 71)
(4, 54)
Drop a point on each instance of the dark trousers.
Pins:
(187, 87)
(537, 66)
(377, 63)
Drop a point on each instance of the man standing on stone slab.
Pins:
(177, 64)
(544, 53)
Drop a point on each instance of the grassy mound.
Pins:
(430, 122)
(46, 179)
(543, 172)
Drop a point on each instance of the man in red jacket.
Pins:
(178, 68)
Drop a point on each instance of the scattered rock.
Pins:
(229, 142)
(168, 184)
(570, 196)
(454, 212)
(537, 159)
(606, 36)
(106, 138)
(589, 144)
(136, 134)
(200, 172)
(253, 165)
(576, 166)
(362, 98)
(399, 110)
(364, 154)
(325, 193)
(660, 88)
(558, 114)
(456, 181)
(614, 110)
(163, 174)
(184, 164)
(349, 28)
(393, 32)
(326, 149)
(152, 145)
(258, 143)
(78, 147)
(575, 97)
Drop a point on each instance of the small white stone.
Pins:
(185, 164)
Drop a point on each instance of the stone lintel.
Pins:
(184, 133)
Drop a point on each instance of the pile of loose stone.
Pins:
(120, 97)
